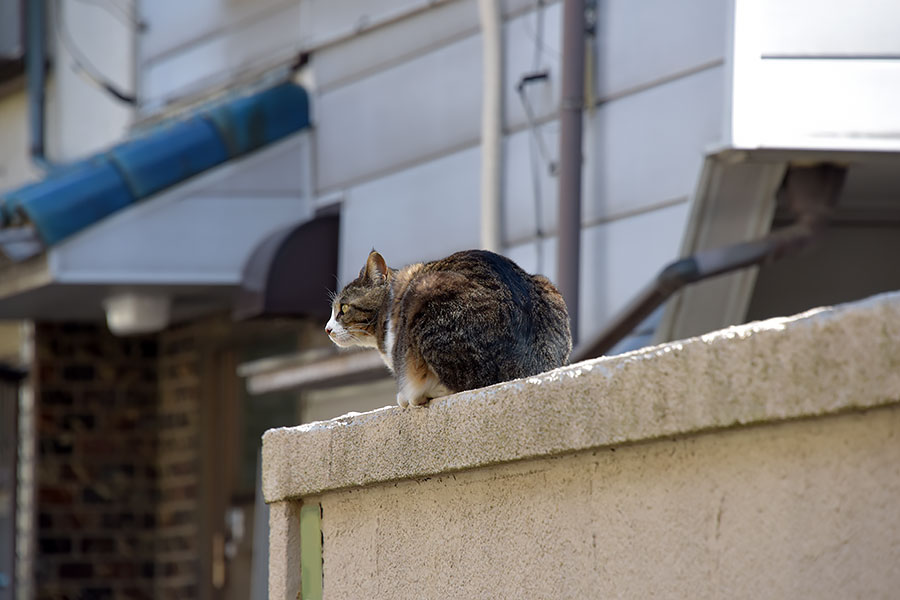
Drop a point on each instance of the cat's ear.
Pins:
(375, 270)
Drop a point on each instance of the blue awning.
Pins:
(78, 195)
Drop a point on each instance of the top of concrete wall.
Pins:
(820, 362)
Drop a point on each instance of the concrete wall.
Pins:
(759, 461)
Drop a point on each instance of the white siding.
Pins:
(81, 117)
(618, 259)
(398, 130)
(418, 109)
(642, 43)
(648, 148)
(360, 55)
(422, 213)
(643, 151)
(237, 40)
(419, 105)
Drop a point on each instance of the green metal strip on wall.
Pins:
(311, 551)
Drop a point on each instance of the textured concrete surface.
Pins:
(284, 550)
(803, 509)
(822, 362)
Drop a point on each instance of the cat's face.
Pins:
(355, 309)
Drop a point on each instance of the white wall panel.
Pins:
(197, 239)
(82, 118)
(173, 25)
(403, 39)
(621, 257)
(618, 259)
(280, 169)
(422, 213)
(529, 188)
(326, 20)
(830, 27)
(644, 42)
(641, 151)
(430, 104)
(417, 109)
(213, 60)
(648, 148)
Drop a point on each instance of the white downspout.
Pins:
(491, 124)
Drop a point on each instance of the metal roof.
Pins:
(81, 194)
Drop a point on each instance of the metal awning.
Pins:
(290, 273)
(172, 214)
(73, 197)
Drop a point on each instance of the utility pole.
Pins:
(568, 254)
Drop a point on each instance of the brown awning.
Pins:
(290, 273)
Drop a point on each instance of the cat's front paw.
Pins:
(405, 400)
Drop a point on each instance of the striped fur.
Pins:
(463, 322)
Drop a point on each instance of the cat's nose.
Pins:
(328, 329)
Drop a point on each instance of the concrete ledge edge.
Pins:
(820, 362)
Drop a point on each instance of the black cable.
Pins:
(84, 66)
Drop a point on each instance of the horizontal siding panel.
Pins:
(431, 104)
(644, 151)
(219, 58)
(326, 20)
(618, 259)
(421, 213)
(280, 169)
(648, 148)
(172, 25)
(416, 109)
(529, 188)
(639, 43)
(641, 151)
(405, 39)
(829, 27)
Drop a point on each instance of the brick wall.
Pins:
(97, 474)
(121, 469)
(177, 513)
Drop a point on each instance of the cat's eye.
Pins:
(345, 308)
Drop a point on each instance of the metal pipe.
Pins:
(35, 76)
(491, 124)
(810, 192)
(568, 257)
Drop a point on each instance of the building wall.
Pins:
(178, 534)
(144, 444)
(397, 112)
(118, 465)
(97, 474)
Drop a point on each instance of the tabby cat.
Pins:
(463, 322)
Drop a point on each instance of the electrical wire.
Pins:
(537, 149)
(83, 65)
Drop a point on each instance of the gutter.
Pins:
(36, 79)
(568, 256)
(491, 124)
